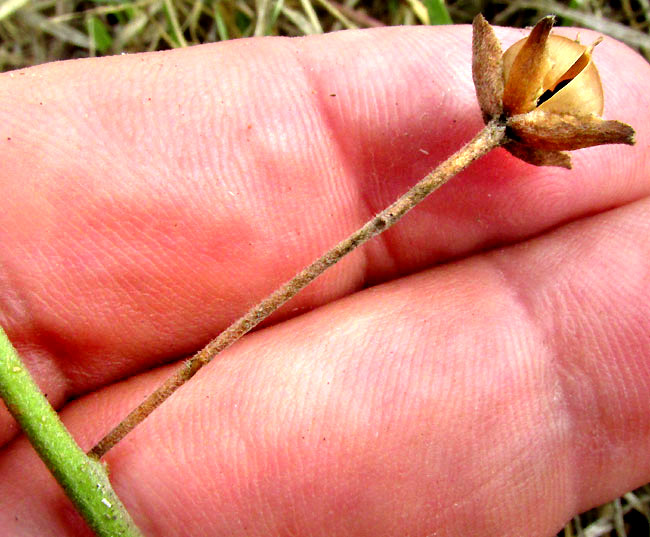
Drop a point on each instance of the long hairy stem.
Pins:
(491, 136)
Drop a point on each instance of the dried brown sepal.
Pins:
(487, 68)
(565, 132)
(539, 157)
(526, 78)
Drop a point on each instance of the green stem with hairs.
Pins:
(84, 479)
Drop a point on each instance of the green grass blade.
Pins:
(222, 27)
(99, 36)
(275, 12)
(176, 33)
(437, 11)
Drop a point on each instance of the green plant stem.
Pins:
(491, 136)
(84, 479)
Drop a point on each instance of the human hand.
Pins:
(151, 199)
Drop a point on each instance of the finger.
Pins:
(154, 198)
(449, 401)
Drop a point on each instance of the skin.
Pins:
(480, 369)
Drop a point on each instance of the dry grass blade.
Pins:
(420, 10)
(9, 7)
(338, 15)
(632, 37)
(311, 16)
(61, 31)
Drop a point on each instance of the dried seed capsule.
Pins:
(567, 80)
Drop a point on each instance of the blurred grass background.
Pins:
(33, 32)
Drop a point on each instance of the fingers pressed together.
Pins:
(152, 199)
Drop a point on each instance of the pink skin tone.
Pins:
(149, 200)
